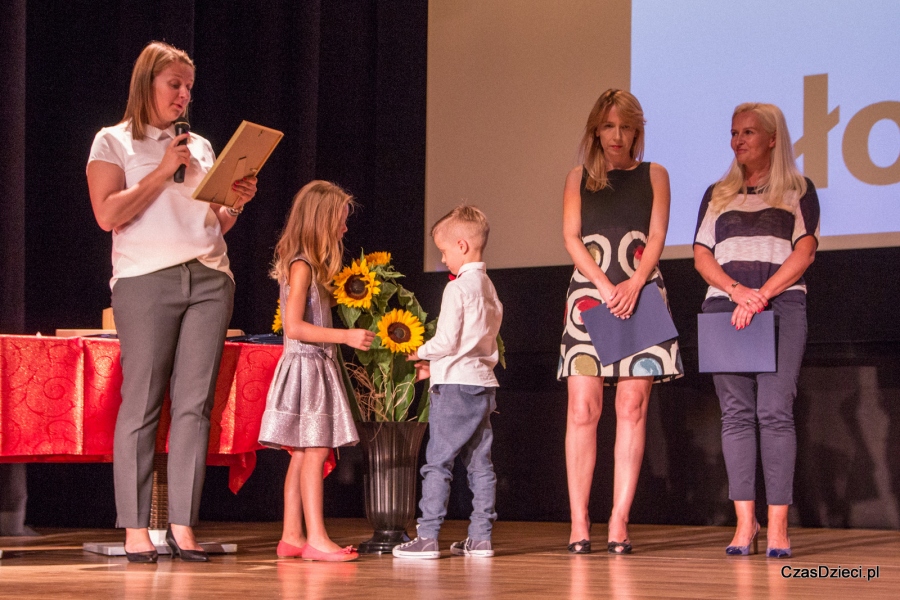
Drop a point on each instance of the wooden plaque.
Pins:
(246, 153)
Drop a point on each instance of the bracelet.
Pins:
(729, 292)
(234, 212)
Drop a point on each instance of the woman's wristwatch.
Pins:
(234, 211)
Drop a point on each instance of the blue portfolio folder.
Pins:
(616, 338)
(724, 349)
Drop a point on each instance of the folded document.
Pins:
(724, 349)
(616, 338)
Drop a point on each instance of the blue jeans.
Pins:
(460, 424)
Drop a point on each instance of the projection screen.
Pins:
(510, 84)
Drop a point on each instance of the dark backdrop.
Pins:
(345, 80)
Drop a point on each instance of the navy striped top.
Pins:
(751, 239)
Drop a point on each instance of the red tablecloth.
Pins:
(59, 398)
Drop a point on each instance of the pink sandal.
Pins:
(342, 555)
(285, 550)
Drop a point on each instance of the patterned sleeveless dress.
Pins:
(307, 405)
(615, 223)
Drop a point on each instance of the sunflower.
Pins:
(355, 285)
(400, 331)
(277, 326)
(376, 259)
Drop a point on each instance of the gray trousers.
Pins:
(171, 326)
(459, 423)
(764, 401)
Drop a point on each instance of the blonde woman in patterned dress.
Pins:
(615, 217)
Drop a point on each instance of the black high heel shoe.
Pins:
(183, 553)
(623, 547)
(580, 547)
(148, 556)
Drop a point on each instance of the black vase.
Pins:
(391, 452)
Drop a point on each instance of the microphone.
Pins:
(181, 126)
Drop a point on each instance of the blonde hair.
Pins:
(590, 150)
(466, 221)
(783, 175)
(313, 229)
(153, 60)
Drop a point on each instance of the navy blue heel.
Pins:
(778, 552)
(746, 550)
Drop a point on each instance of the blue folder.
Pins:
(616, 338)
(724, 349)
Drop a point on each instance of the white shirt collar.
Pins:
(157, 134)
(472, 266)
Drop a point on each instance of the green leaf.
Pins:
(424, 407)
(348, 315)
(404, 393)
(387, 272)
(408, 301)
(365, 357)
(381, 300)
(430, 328)
(404, 374)
(501, 351)
(389, 401)
(402, 367)
(377, 377)
(374, 355)
(365, 321)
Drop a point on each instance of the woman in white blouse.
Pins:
(172, 293)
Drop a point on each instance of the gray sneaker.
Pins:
(470, 547)
(418, 548)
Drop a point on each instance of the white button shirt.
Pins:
(174, 228)
(464, 347)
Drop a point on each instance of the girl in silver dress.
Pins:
(307, 411)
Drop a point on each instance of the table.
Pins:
(59, 398)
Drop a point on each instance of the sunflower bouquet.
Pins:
(369, 296)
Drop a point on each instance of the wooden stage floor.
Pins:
(531, 561)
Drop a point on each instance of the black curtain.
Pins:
(12, 157)
(345, 82)
(338, 78)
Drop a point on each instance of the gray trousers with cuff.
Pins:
(171, 326)
(764, 401)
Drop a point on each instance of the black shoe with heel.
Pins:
(581, 547)
(149, 556)
(623, 547)
(183, 553)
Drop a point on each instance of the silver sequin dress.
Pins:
(307, 405)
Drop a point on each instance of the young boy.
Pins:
(462, 357)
